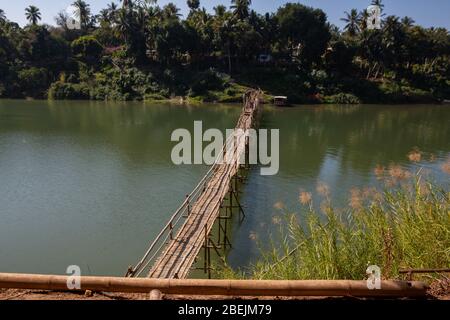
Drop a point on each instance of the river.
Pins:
(92, 183)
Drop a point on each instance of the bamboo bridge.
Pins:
(176, 248)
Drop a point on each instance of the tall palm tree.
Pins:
(2, 15)
(125, 23)
(378, 3)
(363, 18)
(130, 4)
(352, 22)
(241, 8)
(392, 31)
(220, 10)
(33, 14)
(408, 22)
(193, 4)
(170, 10)
(82, 12)
(112, 10)
(104, 16)
(112, 6)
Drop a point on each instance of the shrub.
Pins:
(67, 91)
(404, 93)
(154, 97)
(208, 80)
(342, 98)
(33, 81)
(87, 49)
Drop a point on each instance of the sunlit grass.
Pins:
(406, 225)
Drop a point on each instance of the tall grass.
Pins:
(404, 226)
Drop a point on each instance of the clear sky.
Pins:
(426, 12)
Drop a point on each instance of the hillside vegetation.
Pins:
(141, 51)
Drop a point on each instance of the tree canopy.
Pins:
(140, 50)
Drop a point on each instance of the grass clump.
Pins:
(406, 226)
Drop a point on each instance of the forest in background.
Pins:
(137, 50)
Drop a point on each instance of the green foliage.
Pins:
(339, 57)
(38, 47)
(127, 84)
(141, 52)
(87, 49)
(83, 13)
(403, 93)
(33, 14)
(304, 26)
(34, 82)
(404, 227)
(208, 80)
(342, 98)
(68, 91)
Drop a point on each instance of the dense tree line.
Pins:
(139, 50)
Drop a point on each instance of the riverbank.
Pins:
(221, 88)
(134, 53)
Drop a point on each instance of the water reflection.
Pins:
(91, 183)
(338, 148)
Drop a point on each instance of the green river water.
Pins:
(92, 183)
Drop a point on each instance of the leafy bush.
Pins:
(342, 98)
(401, 93)
(33, 81)
(87, 49)
(208, 80)
(67, 91)
(154, 97)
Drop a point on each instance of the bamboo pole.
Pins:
(330, 288)
(442, 270)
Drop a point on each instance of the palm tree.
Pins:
(170, 10)
(112, 6)
(408, 22)
(33, 14)
(241, 8)
(393, 41)
(220, 10)
(352, 20)
(193, 4)
(372, 51)
(363, 18)
(112, 10)
(83, 12)
(130, 4)
(378, 3)
(104, 16)
(124, 23)
(2, 15)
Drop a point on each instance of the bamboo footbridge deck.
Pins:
(174, 251)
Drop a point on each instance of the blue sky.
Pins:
(426, 12)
